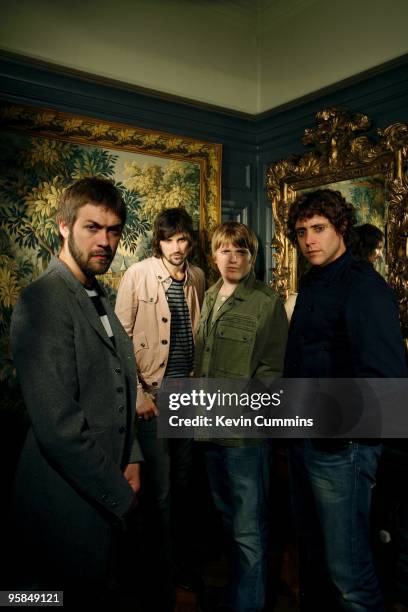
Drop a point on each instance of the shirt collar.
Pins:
(243, 290)
(162, 273)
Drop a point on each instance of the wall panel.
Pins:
(250, 143)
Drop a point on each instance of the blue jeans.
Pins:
(331, 494)
(239, 481)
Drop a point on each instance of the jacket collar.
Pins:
(163, 275)
(84, 302)
(242, 292)
(69, 277)
(63, 270)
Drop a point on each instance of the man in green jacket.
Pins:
(242, 333)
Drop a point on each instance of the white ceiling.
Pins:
(246, 55)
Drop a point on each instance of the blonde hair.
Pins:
(237, 234)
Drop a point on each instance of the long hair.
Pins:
(171, 221)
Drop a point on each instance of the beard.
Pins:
(90, 267)
(177, 260)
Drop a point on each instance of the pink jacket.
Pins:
(142, 308)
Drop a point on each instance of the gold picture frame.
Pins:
(42, 151)
(344, 160)
(56, 125)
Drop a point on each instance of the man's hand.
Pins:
(145, 407)
(132, 475)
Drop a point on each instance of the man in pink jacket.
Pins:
(158, 304)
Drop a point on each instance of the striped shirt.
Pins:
(181, 352)
(95, 296)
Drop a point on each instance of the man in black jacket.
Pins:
(345, 325)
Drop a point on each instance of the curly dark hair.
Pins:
(365, 240)
(326, 202)
(171, 221)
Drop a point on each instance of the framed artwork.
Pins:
(43, 151)
(370, 172)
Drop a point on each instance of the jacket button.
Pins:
(119, 389)
(164, 342)
(142, 344)
(159, 277)
(118, 370)
(154, 384)
(114, 504)
(162, 365)
(121, 430)
(164, 319)
(121, 408)
(150, 299)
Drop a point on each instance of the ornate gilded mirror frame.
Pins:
(341, 156)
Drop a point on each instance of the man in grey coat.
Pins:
(78, 474)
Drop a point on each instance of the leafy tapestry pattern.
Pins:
(34, 173)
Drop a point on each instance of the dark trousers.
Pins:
(165, 506)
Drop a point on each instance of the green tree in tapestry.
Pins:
(34, 174)
(176, 184)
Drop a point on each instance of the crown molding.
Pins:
(10, 60)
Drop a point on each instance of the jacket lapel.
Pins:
(221, 311)
(83, 300)
(241, 293)
(122, 341)
(210, 299)
(94, 320)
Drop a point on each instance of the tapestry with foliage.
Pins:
(35, 170)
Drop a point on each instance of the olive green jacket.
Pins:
(246, 338)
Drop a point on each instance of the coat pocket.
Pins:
(148, 295)
(234, 348)
(140, 342)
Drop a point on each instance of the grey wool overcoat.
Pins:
(79, 390)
